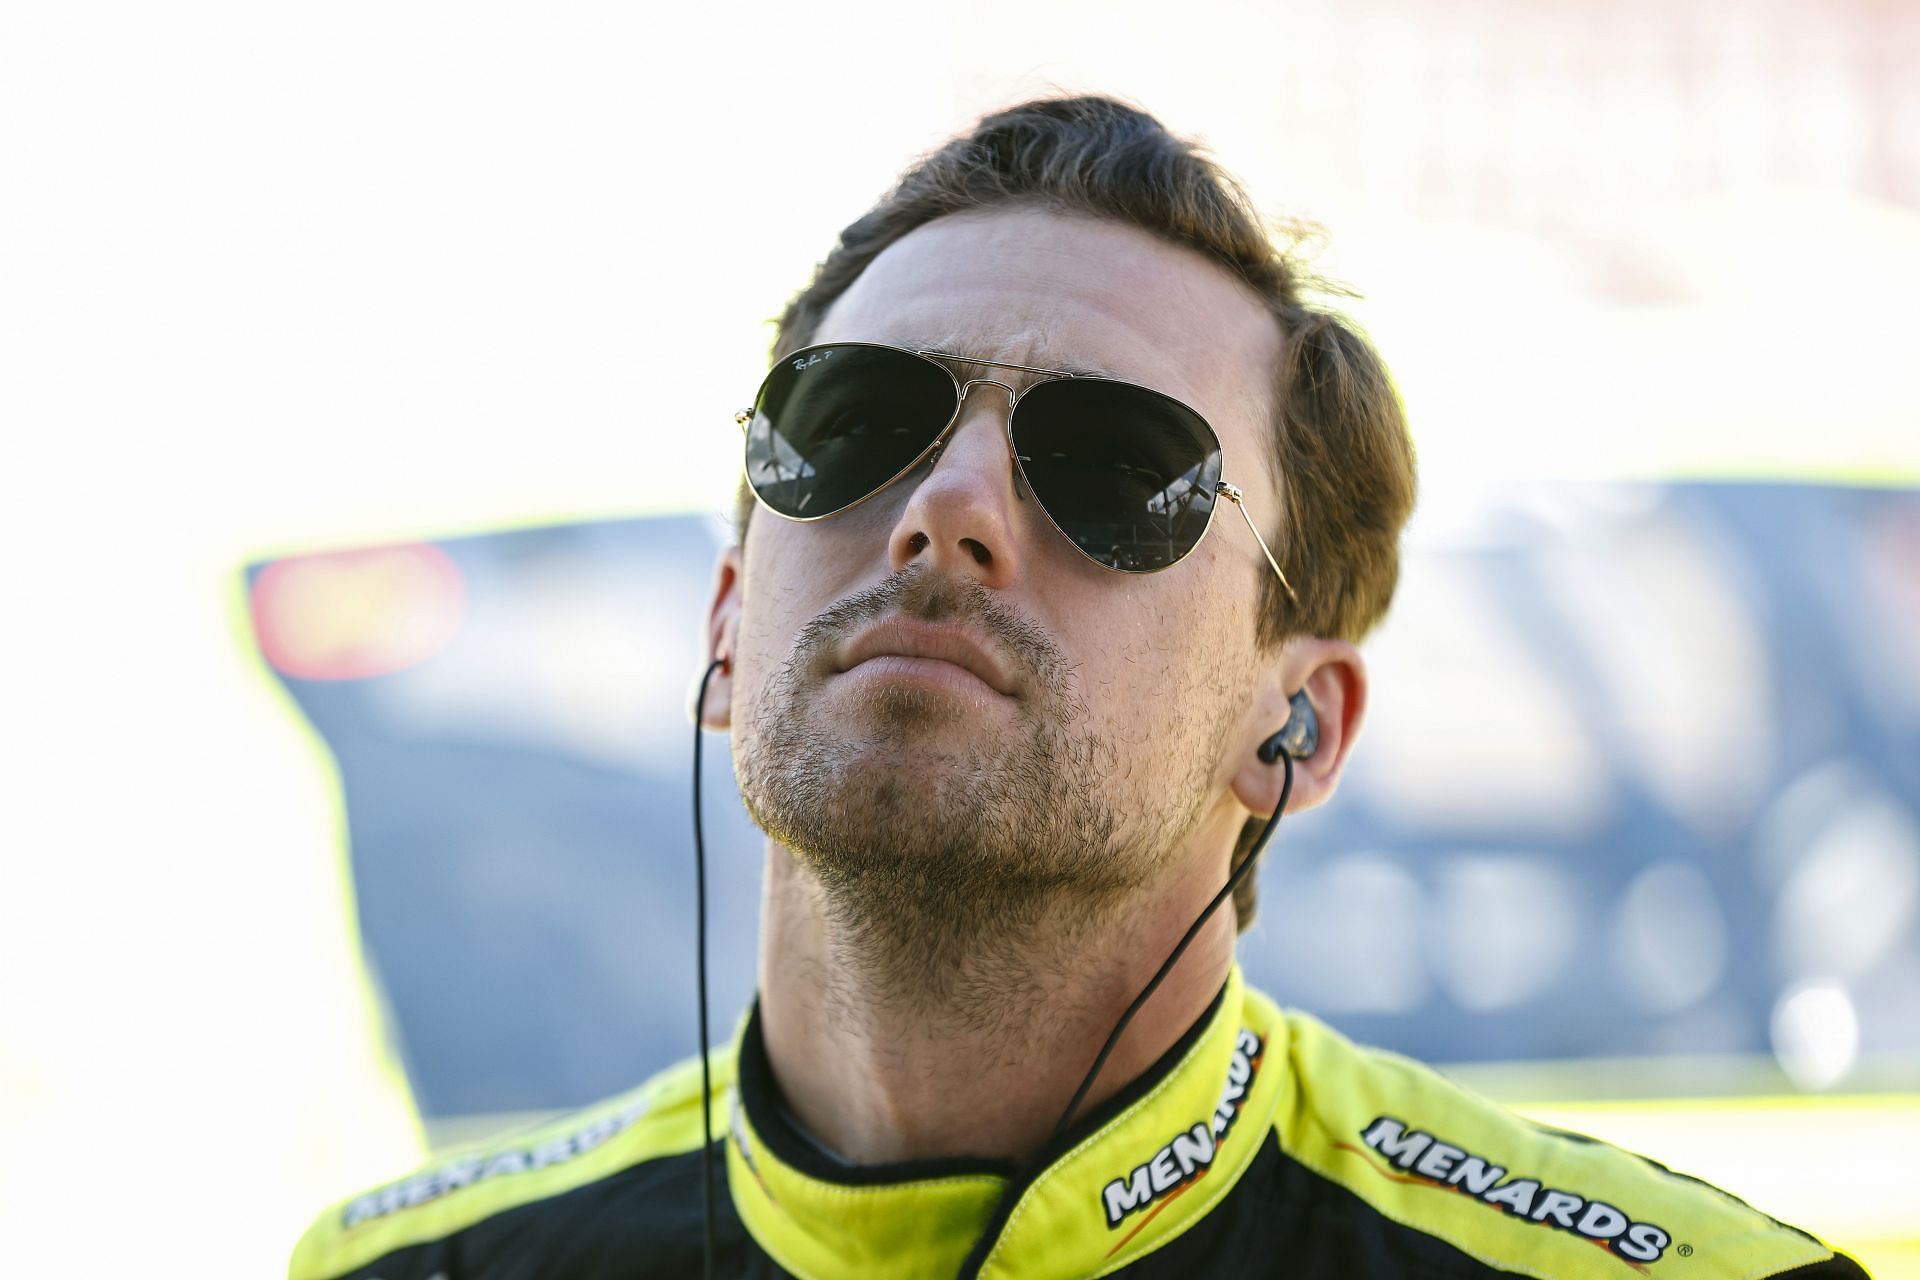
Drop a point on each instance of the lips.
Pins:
(928, 641)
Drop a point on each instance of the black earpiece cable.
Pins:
(1234, 880)
(1240, 873)
(700, 967)
(982, 1246)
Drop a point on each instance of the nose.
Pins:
(961, 518)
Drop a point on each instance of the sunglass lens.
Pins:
(1125, 472)
(834, 424)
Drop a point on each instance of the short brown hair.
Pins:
(1342, 458)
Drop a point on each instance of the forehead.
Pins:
(1075, 293)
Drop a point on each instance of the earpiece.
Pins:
(1298, 737)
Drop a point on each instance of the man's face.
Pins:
(937, 698)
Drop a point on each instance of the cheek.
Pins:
(768, 600)
(850, 544)
(1143, 652)
(1193, 643)
(793, 572)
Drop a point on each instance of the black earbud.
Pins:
(1298, 737)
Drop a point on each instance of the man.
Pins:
(1013, 686)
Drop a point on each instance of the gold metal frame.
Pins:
(1221, 488)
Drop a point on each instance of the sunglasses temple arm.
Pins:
(1232, 494)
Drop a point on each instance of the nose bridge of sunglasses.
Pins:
(1002, 424)
(967, 386)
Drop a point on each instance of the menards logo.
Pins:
(1443, 1164)
(444, 1179)
(1189, 1153)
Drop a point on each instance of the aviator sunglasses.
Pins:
(1128, 475)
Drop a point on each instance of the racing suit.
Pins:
(1261, 1144)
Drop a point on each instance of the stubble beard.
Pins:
(956, 876)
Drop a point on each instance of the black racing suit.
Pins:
(1262, 1144)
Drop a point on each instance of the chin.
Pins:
(882, 790)
(897, 779)
(870, 813)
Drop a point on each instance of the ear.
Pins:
(723, 634)
(1334, 677)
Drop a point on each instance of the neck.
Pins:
(971, 1047)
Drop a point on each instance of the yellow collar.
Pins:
(1133, 1174)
